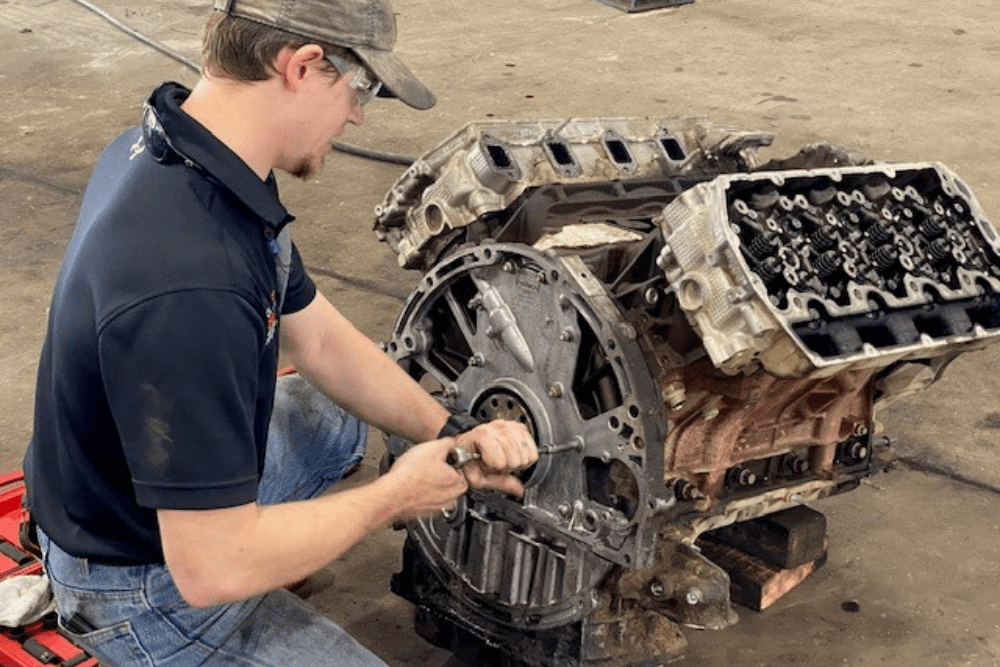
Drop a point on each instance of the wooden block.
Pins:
(755, 584)
(785, 539)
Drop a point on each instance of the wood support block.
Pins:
(785, 539)
(753, 583)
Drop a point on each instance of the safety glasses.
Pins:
(363, 82)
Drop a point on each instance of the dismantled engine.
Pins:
(698, 341)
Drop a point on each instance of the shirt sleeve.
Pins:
(181, 373)
(301, 289)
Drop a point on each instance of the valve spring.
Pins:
(823, 238)
(769, 270)
(939, 250)
(827, 264)
(932, 227)
(884, 257)
(879, 234)
(760, 247)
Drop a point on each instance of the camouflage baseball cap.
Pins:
(366, 27)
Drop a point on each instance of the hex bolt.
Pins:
(476, 360)
(556, 390)
(656, 588)
(509, 267)
(566, 335)
(694, 596)
(685, 490)
(859, 451)
(676, 395)
(740, 476)
(798, 464)
(565, 510)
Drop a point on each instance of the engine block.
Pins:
(696, 339)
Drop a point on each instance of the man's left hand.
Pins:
(504, 448)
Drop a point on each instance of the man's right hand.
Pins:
(427, 482)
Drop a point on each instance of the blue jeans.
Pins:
(134, 616)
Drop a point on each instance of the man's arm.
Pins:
(222, 555)
(348, 367)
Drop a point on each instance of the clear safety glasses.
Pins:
(363, 82)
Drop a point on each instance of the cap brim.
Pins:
(396, 78)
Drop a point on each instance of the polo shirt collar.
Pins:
(171, 134)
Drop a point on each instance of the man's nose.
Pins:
(357, 116)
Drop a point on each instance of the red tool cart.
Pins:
(42, 642)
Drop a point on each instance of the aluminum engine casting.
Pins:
(694, 337)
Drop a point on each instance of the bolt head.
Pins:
(694, 596)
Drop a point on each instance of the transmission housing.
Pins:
(698, 340)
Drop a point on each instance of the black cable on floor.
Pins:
(162, 48)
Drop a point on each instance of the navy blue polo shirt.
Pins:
(156, 380)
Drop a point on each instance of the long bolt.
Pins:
(460, 456)
(576, 444)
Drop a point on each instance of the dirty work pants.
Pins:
(133, 616)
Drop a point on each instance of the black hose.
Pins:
(367, 153)
(370, 154)
(162, 48)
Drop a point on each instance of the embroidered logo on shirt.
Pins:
(271, 317)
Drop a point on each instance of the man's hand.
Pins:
(427, 482)
(504, 447)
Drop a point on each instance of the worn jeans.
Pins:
(134, 616)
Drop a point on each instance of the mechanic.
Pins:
(176, 483)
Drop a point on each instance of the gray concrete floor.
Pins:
(898, 80)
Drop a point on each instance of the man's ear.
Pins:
(294, 65)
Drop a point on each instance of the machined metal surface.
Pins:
(484, 167)
(694, 336)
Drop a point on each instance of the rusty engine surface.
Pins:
(695, 337)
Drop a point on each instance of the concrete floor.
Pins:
(898, 80)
